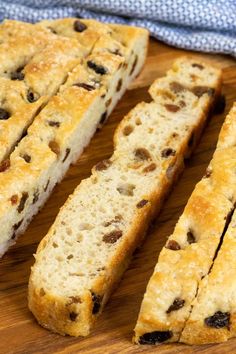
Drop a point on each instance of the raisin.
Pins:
(17, 225)
(102, 165)
(99, 69)
(116, 220)
(142, 203)
(46, 186)
(112, 236)
(134, 65)
(31, 97)
(176, 87)
(220, 105)
(18, 74)
(97, 299)
(150, 168)
(54, 147)
(168, 152)
(52, 30)
(52, 123)
(190, 237)
(128, 130)
(14, 199)
(142, 154)
(66, 154)
(172, 108)
(182, 103)
(21, 206)
(119, 85)
(85, 86)
(108, 102)
(4, 165)
(73, 316)
(79, 26)
(103, 118)
(201, 90)
(199, 66)
(173, 245)
(177, 304)
(35, 197)
(26, 157)
(155, 337)
(4, 115)
(218, 320)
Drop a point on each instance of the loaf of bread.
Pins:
(188, 256)
(59, 133)
(88, 247)
(212, 318)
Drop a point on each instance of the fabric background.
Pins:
(203, 25)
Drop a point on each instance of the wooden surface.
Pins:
(19, 333)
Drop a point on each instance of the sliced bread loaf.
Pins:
(89, 245)
(189, 252)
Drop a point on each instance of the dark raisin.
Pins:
(4, 165)
(108, 102)
(172, 108)
(168, 152)
(182, 103)
(191, 140)
(142, 154)
(173, 245)
(73, 316)
(134, 65)
(54, 124)
(199, 66)
(26, 157)
(14, 199)
(142, 203)
(218, 320)
(85, 86)
(79, 26)
(35, 197)
(177, 304)
(13, 236)
(17, 225)
(150, 168)
(220, 105)
(119, 85)
(18, 74)
(4, 115)
(102, 165)
(208, 173)
(31, 97)
(155, 337)
(128, 130)
(99, 69)
(190, 237)
(97, 299)
(66, 154)
(201, 90)
(103, 118)
(54, 147)
(176, 87)
(112, 236)
(21, 206)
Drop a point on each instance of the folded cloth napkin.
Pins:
(202, 25)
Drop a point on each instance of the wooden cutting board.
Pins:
(19, 332)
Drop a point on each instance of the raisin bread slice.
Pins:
(189, 252)
(89, 245)
(212, 319)
(62, 129)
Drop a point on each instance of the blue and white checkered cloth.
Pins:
(202, 25)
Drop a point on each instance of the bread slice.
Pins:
(189, 252)
(88, 247)
(212, 319)
(58, 136)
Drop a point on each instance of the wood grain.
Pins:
(19, 333)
